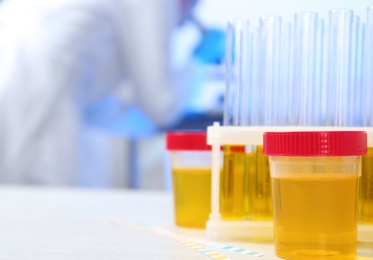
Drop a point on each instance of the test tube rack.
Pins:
(217, 136)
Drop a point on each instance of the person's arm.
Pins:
(145, 39)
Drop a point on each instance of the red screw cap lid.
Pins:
(187, 141)
(328, 143)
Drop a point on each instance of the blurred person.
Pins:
(67, 65)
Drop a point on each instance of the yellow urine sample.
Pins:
(315, 218)
(232, 183)
(250, 202)
(192, 196)
(245, 184)
(262, 201)
(366, 189)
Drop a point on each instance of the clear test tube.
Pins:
(368, 68)
(365, 232)
(359, 103)
(257, 94)
(285, 74)
(339, 69)
(269, 66)
(320, 72)
(354, 89)
(304, 68)
(236, 112)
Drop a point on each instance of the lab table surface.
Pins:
(74, 223)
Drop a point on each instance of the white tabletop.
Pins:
(57, 223)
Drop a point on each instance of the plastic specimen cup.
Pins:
(191, 177)
(315, 178)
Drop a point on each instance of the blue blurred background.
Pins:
(121, 141)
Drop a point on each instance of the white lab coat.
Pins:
(59, 58)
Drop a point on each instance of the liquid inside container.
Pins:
(315, 177)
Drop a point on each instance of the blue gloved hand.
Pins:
(211, 48)
(114, 116)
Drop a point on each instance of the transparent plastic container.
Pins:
(190, 160)
(315, 179)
